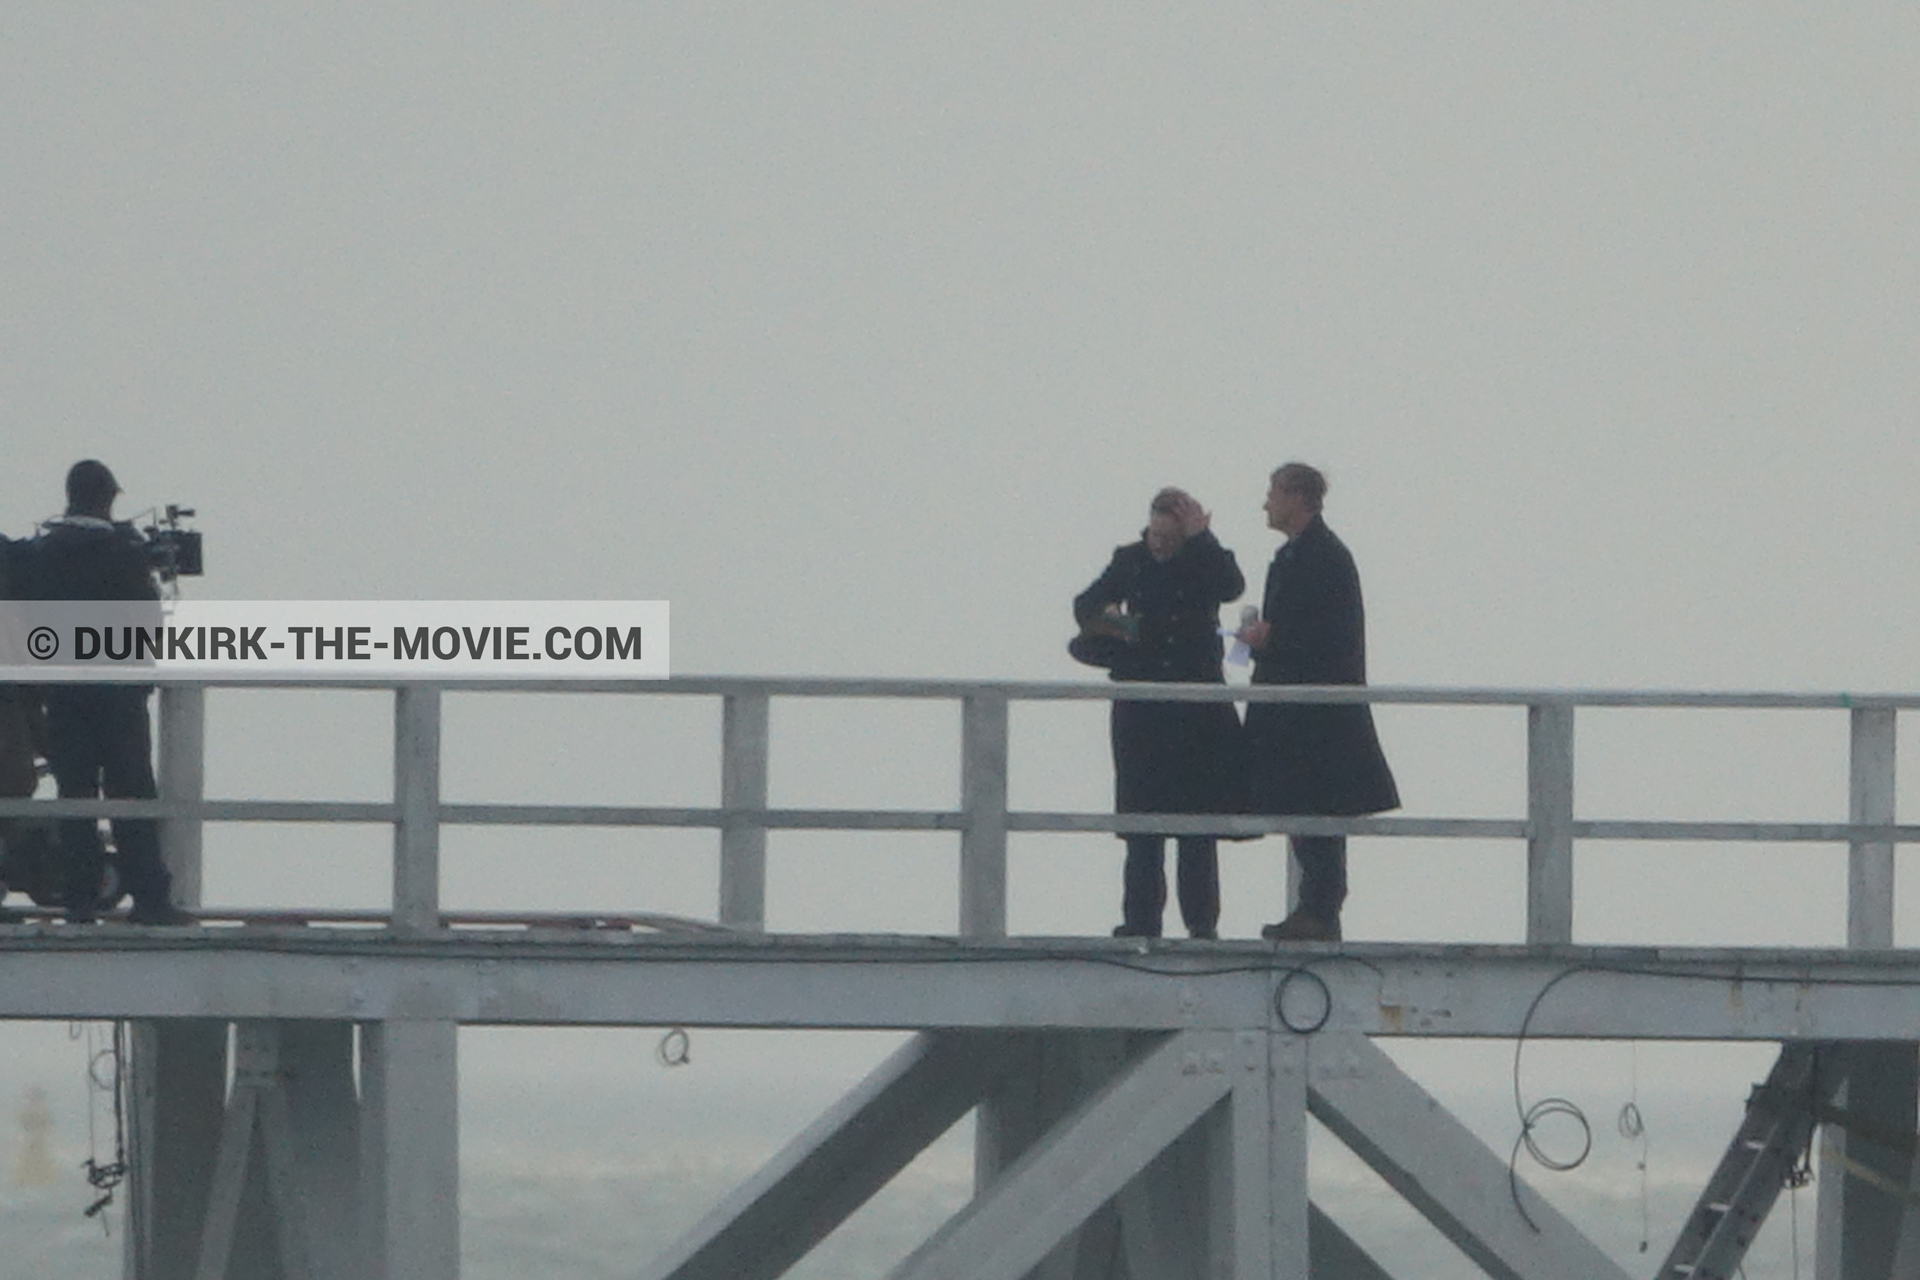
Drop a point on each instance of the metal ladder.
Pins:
(1781, 1115)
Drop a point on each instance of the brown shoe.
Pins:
(1301, 927)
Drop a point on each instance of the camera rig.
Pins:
(173, 550)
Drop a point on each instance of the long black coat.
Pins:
(1322, 759)
(1173, 757)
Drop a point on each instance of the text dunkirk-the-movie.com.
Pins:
(224, 639)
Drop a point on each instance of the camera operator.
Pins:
(98, 736)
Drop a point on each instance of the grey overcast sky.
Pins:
(863, 332)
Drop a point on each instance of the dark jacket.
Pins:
(83, 558)
(13, 568)
(1315, 759)
(1175, 603)
(1172, 757)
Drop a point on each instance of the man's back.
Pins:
(1312, 599)
(88, 558)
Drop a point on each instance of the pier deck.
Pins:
(1142, 1106)
(561, 974)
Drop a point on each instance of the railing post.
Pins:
(1870, 799)
(1549, 823)
(176, 1066)
(983, 802)
(1859, 1225)
(183, 777)
(416, 796)
(743, 786)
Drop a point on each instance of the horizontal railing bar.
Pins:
(1250, 825)
(1262, 824)
(1749, 832)
(572, 922)
(575, 815)
(536, 815)
(207, 810)
(936, 820)
(1106, 691)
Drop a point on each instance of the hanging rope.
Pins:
(106, 1074)
(1632, 1126)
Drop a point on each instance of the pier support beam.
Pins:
(1089, 1158)
(409, 1130)
(1436, 1163)
(1049, 1075)
(281, 1198)
(176, 1099)
(298, 1173)
(1170, 1157)
(1336, 1255)
(316, 1067)
(836, 1165)
(1866, 1163)
(256, 1223)
(176, 1068)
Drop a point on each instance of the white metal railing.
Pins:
(983, 819)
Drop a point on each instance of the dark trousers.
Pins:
(1323, 874)
(99, 744)
(1145, 894)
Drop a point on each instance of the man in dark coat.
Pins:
(1312, 759)
(98, 738)
(1158, 602)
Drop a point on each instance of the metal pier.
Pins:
(1145, 1103)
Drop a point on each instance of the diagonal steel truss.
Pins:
(1181, 1155)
